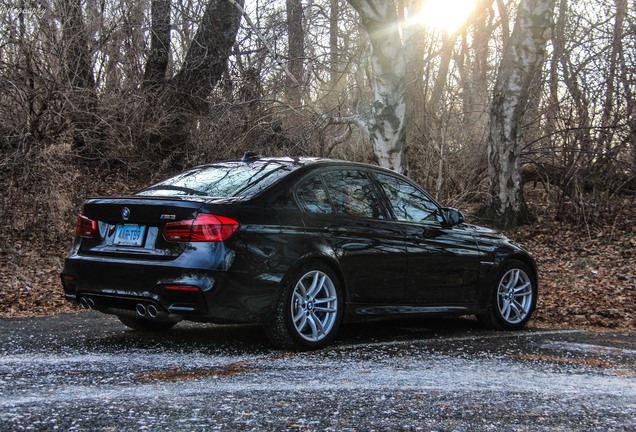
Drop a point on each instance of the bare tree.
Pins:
(295, 51)
(207, 56)
(78, 69)
(159, 56)
(521, 64)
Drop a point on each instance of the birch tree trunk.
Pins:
(521, 63)
(387, 123)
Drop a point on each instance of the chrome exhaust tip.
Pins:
(83, 303)
(141, 309)
(90, 303)
(152, 311)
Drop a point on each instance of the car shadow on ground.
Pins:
(244, 339)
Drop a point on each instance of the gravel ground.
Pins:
(81, 372)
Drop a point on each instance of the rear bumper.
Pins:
(123, 287)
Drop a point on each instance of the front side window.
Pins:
(408, 203)
(352, 194)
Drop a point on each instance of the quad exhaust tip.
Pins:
(152, 311)
(87, 303)
(141, 309)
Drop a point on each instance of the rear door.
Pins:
(342, 207)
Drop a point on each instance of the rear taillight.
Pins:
(69, 282)
(85, 227)
(205, 228)
(182, 288)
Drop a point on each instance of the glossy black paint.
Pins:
(385, 266)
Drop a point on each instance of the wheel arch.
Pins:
(327, 260)
(528, 261)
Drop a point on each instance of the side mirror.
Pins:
(453, 216)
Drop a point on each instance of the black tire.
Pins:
(146, 325)
(513, 298)
(304, 319)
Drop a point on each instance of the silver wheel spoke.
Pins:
(301, 291)
(319, 326)
(505, 311)
(324, 300)
(520, 307)
(325, 309)
(516, 310)
(513, 280)
(314, 328)
(299, 298)
(300, 319)
(523, 289)
(317, 285)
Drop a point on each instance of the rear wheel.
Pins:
(513, 299)
(309, 310)
(145, 324)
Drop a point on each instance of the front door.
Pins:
(443, 262)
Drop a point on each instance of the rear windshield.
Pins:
(222, 180)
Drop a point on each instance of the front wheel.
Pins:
(513, 299)
(309, 310)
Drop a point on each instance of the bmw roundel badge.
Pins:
(125, 213)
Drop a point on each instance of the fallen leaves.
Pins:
(177, 374)
(587, 278)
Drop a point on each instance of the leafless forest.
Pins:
(101, 97)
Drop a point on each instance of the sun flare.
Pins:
(446, 15)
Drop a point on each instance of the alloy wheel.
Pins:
(514, 296)
(314, 306)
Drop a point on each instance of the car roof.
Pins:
(300, 161)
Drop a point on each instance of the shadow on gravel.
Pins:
(243, 339)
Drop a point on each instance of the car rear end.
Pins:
(146, 257)
(172, 253)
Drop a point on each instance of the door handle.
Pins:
(416, 238)
(335, 230)
(419, 237)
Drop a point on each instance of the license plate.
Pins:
(129, 235)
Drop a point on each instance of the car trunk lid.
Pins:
(133, 226)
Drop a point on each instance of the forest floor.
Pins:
(587, 272)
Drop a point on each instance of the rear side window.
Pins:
(222, 180)
(313, 197)
(352, 194)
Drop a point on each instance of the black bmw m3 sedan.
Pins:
(298, 245)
